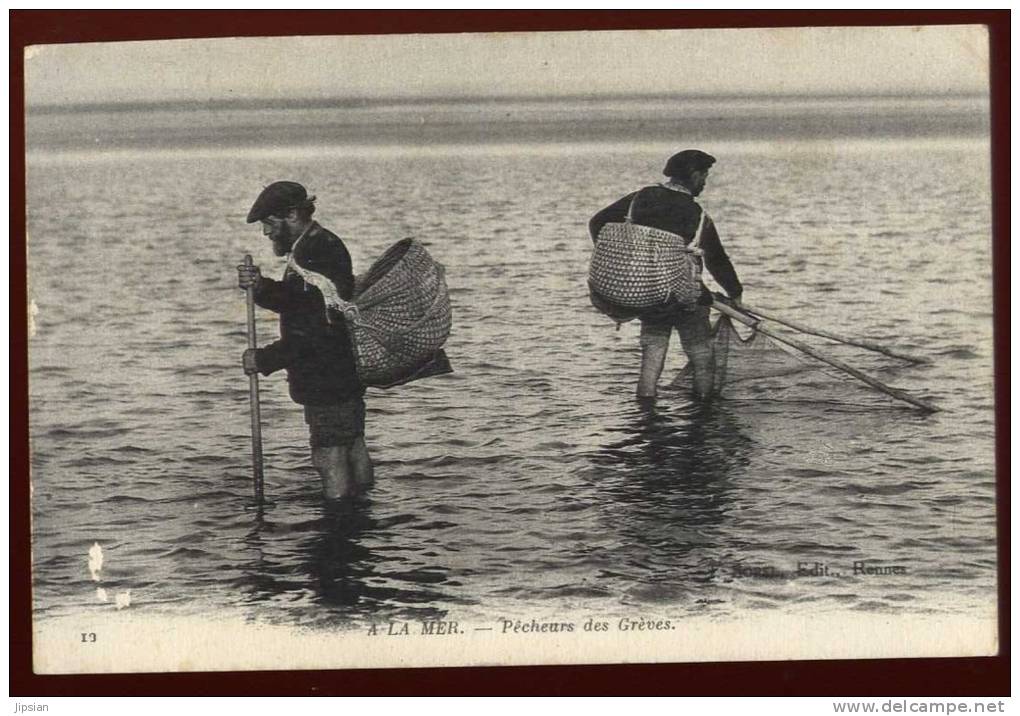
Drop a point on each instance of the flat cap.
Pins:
(278, 198)
(686, 161)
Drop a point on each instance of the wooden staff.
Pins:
(893, 392)
(860, 343)
(253, 388)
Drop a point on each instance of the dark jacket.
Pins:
(678, 213)
(317, 353)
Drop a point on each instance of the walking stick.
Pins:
(253, 387)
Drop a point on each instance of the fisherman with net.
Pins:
(678, 229)
(315, 347)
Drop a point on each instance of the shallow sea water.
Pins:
(530, 481)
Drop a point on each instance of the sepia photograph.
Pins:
(511, 348)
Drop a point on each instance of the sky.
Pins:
(924, 60)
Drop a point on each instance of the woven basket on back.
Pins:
(403, 313)
(637, 266)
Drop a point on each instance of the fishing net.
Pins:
(752, 366)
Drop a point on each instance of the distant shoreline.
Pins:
(413, 101)
(98, 133)
(544, 120)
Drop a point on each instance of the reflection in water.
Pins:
(326, 562)
(668, 489)
(516, 478)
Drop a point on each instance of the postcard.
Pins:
(511, 348)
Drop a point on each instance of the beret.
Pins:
(688, 160)
(278, 198)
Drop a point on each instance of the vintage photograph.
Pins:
(511, 348)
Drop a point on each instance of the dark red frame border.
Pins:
(900, 677)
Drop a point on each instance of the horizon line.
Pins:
(367, 101)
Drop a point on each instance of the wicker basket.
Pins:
(637, 266)
(403, 315)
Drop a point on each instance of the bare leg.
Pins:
(333, 464)
(361, 464)
(696, 339)
(703, 360)
(654, 346)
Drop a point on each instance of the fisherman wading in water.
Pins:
(314, 347)
(671, 207)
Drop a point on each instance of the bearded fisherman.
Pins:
(315, 347)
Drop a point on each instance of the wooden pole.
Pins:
(860, 343)
(253, 388)
(893, 392)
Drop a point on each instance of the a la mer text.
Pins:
(432, 627)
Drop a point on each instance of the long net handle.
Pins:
(253, 389)
(859, 342)
(864, 378)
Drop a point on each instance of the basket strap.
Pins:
(330, 296)
(695, 246)
(630, 209)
